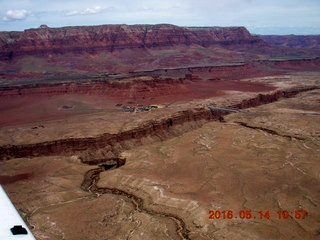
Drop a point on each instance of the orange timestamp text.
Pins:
(249, 214)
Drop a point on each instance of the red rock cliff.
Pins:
(46, 40)
(160, 128)
(298, 41)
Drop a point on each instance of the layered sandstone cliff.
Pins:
(45, 40)
(297, 41)
(160, 128)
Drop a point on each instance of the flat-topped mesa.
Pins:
(45, 40)
(297, 41)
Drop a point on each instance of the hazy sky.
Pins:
(259, 16)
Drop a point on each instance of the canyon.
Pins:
(230, 123)
(152, 128)
(82, 52)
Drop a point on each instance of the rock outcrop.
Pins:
(45, 40)
(161, 128)
(151, 81)
(298, 41)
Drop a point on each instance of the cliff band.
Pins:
(46, 40)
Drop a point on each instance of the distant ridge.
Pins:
(46, 40)
(297, 41)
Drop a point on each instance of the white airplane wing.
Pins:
(12, 226)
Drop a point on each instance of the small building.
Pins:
(12, 225)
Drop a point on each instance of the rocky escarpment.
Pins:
(44, 40)
(159, 80)
(97, 87)
(298, 41)
(156, 129)
(153, 82)
(292, 64)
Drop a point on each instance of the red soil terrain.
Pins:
(11, 179)
(227, 122)
(51, 102)
(49, 73)
(43, 101)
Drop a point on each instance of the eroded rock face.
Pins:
(116, 143)
(111, 37)
(312, 41)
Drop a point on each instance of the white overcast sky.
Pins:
(259, 16)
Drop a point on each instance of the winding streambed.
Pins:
(89, 184)
(92, 177)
